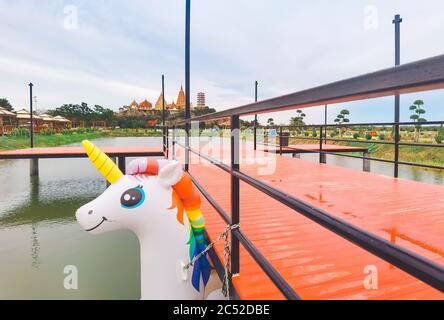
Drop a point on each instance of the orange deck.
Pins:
(317, 263)
(304, 148)
(79, 152)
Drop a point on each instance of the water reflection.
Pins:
(405, 172)
(39, 235)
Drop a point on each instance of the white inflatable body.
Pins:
(144, 205)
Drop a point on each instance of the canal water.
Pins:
(39, 237)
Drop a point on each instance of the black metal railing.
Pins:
(322, 139)
(418, 76)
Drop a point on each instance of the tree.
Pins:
(270, 122)
(342, 118)
(418, 111)
(299, 119)
(104, 114)
(4, 103)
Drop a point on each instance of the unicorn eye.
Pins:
(132, 198)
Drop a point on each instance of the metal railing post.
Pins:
(322, 156)
(167, 140)
(325, 123)
(280, 140)
(255, 117)
(173, 143)
(163, 116)
(255, 133)
(235, 192)
(397, 22)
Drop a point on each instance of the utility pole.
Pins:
(397, 22)
(34, 163)
(31, 130)
(163, 114)
(187, 82)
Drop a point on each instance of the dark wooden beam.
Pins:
(427, 74)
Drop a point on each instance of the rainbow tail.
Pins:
(202, 267)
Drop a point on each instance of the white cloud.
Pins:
(121, 48)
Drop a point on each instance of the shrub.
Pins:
(47, 132)
(314, 134)
(440, 135)
(381, 136)
(306, 133)
(20, 132)
(368, 136)
(66, 132)
(355, 136)
(332, 134)
(80, 130)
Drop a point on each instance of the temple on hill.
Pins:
(146, 106)
(160, 103)
(180, 104)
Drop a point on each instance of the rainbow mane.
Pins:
(186, 197)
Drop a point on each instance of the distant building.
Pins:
(135, 107)
(201, 100)
(180, 104)
(145, 106)
(159, 104)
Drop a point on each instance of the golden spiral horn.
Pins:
(102, 162)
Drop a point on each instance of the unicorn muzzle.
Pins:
(89, 220)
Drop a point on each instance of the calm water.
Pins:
(39, 235)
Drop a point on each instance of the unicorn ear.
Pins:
(170, 174)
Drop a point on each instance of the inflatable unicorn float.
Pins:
(151, 200)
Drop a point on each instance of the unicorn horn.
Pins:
(102, 162)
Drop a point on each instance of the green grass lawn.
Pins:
(10, 143)
(40, 141)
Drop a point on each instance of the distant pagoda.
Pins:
(200, 100)
(181, 99)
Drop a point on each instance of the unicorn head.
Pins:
(150, 201)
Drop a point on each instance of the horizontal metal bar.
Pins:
(271, 272)
(421, 165)
(364, 124)
(77, 156)
(427, 74)
(336, 153)
(412, 263)
(410, 144)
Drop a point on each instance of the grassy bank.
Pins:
(413, 154)
(40, 141)
(54, 140)
(133, 133)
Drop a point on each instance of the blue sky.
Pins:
(118, 50)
